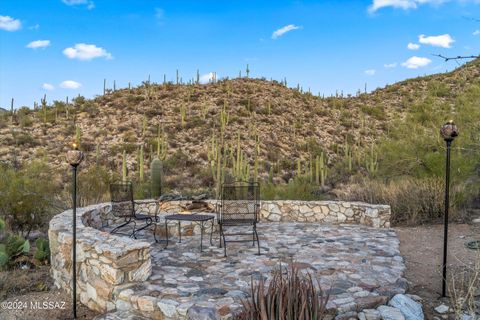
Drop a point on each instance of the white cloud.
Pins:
(370, 72)
(90, 4)
(280, 32)
(34, 27)
(48, 86)
(444, 40)
(476, 32)
(9, 24)
(413, 46)
(83, 51)
(159, 14)
(70, 84)
(401, 4)
(38, 44)
(416, 62)
(390, 65)
(206, 78)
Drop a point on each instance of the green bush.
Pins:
(11, 247)
(93, 185)
(42, 252)
(297, 189)
(27, 196)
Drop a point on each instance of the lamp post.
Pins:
(448, 131)
(74, 158)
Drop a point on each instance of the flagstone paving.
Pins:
(360, 267)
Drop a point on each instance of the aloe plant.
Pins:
(290, 295)
(43, 250)
(12, 247)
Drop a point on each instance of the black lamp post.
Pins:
(74, 158)
(448, 131)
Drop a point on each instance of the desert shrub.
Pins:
(25, 139)
(296, 189)
(290, 295)
(376, 112)
(438, 89)
(412, 200)
(464, 282)
(93, 185)
(27, 196)
(12, 247)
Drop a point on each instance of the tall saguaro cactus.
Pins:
(44, 108)
(124, 166)
(141, 164)
(12, 113)
(161, 144)
(371, 160)
(321, 169)
(156, 172)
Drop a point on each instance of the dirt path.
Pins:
(422, 249)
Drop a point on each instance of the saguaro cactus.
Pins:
(141, 163)
(161, 144)
(371, 160)
(124, 166)
(12, 113)
(78, 136)
(44, 108)
(156, 172)
(320, 169)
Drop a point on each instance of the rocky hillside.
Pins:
(273, 123)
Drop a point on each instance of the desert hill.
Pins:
(275, 126)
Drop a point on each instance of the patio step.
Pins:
(121, 315)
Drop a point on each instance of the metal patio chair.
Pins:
(123, 206)
(239, 207)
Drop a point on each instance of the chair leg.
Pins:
(221, 232)
(133, 233)
(211, 233)
(258, 241)
(155, 233)
(148, 223)
(224, 247)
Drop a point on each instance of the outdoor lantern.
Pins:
(448, 131)
(74, 158)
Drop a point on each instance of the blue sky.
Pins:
(67, 47)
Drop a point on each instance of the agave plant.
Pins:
(12, 247)
(290, 295)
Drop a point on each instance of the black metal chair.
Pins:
(123, 206)
(239, 207)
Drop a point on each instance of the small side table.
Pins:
(195, 218)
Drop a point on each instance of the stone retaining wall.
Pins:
(104, 261)
(330, 212)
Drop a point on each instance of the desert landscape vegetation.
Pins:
(184, 139)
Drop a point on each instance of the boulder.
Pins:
(410, 309)
(390, 313)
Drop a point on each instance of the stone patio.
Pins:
(360, 267)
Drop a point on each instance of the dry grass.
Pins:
(464, 289)
(413, 201)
